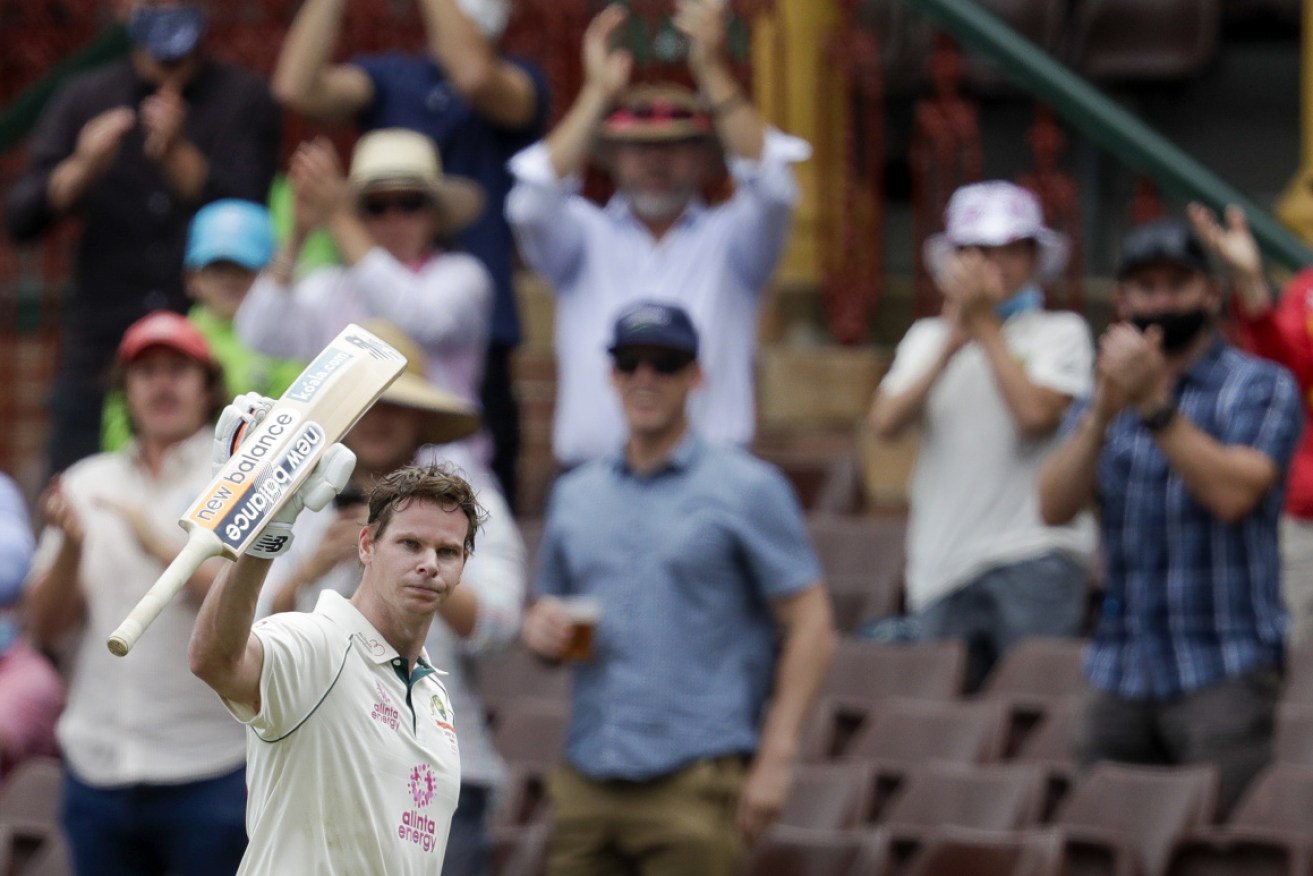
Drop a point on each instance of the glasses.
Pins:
(407, 204)
(661, 361)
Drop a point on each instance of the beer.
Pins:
(583, 612)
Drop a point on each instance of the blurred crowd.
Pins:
(1166, 460)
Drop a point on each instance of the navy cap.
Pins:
(1166, 240)
(167, 33)
(652, 324)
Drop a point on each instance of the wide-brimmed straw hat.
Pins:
(447, 416)
(658, 113)
(996, 213)
(397, 159)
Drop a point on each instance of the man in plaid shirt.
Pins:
(1184, 449)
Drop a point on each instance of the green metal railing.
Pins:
(1108, 124)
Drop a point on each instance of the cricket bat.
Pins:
(321, 406)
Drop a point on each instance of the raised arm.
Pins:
(895, 408)
(305, 81)
(497, 89)
(738, 124)
(224, 653)
(606, 75)
(55, 598)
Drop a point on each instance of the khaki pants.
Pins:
(677, 825)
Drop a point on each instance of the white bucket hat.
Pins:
(994, 214)
(401, 159)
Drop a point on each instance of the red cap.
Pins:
(163, 328)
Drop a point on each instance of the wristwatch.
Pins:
(1160, 417)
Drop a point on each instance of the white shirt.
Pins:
(714, 263)
(974, 493)
(497, 574)
(143, 718)
(445, 305)
(349, 771)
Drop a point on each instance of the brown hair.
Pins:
(440, 484)
(215, 385)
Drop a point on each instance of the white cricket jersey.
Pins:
(351, 770)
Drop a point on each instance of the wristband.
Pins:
(1159, 418)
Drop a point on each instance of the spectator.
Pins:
(713, 637)
(1280, 332)
(988, 381)
(155, 779)
(31, 694)
(1184, 448)
(229, 242)
(479, 107)
(483, 614)
(132, 149)
(389, 221)
(656, 238)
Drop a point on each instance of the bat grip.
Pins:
(201, 545)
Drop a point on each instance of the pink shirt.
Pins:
(31, 698)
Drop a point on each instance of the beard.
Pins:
(658, 206)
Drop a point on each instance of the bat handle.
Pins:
(201, 545)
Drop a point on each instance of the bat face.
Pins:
(324, 402)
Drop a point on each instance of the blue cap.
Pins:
(652, 324)
(230, 231)
(167, 33)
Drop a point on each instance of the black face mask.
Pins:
(1179, 329)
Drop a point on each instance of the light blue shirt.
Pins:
(16, 541)
(685, 562)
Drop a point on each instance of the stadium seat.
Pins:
(798, 851)
(997, 797)
(865, 674)
(1052, 747)
(504, 678)
(30, 794)
(519, 850)
(958, 851)
(530, 736)
(832, 796)
(1125, 819)
(905, 734)
(1293, 740)
(863, 560)
(1042, 22)
(1144, 39)
(1033, 675)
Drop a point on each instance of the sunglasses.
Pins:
(661, 361)
(408, 204)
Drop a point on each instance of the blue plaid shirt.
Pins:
(685, 562)
(1191, 600)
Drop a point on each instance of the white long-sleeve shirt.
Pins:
(714, 263)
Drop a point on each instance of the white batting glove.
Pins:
(330, 475)
(237, 422)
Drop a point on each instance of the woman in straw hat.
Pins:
(392, 218)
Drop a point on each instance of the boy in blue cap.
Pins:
(228, 244)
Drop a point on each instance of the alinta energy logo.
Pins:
(384, 711)
(416, 827)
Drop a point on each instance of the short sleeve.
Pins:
(774, 541)
(1063, 360)
(1265, 413)
(302, 661)
(916, 352)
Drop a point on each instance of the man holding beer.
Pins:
(708, 605)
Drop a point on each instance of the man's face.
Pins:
(654, 384)
(1165, 288)
(386, 437)
(166, 395)
(659, 179)
(220, 286)
(1015, 262)
(416, 561)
